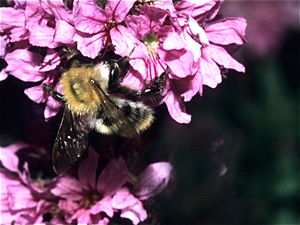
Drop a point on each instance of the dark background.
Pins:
(255, 114)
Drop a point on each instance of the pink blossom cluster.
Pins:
(87, 199)
(184, 38)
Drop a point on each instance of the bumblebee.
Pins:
(94, 99)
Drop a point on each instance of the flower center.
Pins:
(151, 42)
(91, 198)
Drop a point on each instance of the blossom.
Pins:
(50, 23)
(22, 200)
(84, 198)
(158, 46)
(94, 24)
(179, 39)
(207, 42)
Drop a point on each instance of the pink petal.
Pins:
(64, 33)
(131, 207)
(104, 205)
(8, 156)
(83, 216)
(68, 205)
(6, 179)
(89, 17)
(227, 31)
(123, 41)
(87, 170)
(134, 79)
(42, 36)
(180, 62)
(118, 9)
(195, 8)
(153, 17)
(136, 214)
(13, 24)
(153, 180)
(3, 75)
(58, 10)
(112, 177)
(90, 45)
(209, 72)
(175, 110)
(20, 197)
(188, 87)
(51, 61)
(222, 57)
(11, 18)
(136, 26)
(52, 108)
(24, 65)
(67, 187)
(173, 41)
(197, 31)
(123, 199)
(38, 23)
(150, 20)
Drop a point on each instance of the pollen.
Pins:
(151, 42)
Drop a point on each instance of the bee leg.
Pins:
(156, 85)
(57, 96)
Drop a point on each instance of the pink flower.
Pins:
(50, 23)
(22, 200)
(94, 24)
(159, 36)
(150, 182)
(207, 42)
(158, 46)
(84, 198)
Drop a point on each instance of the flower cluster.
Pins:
(183, 38)
(86, 199)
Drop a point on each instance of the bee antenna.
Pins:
(57, 96)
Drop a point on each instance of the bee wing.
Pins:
(70, 143)
(118, 117)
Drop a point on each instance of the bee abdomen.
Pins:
(137, 116)
(140, 115)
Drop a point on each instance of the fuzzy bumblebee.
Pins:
(94, 99)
